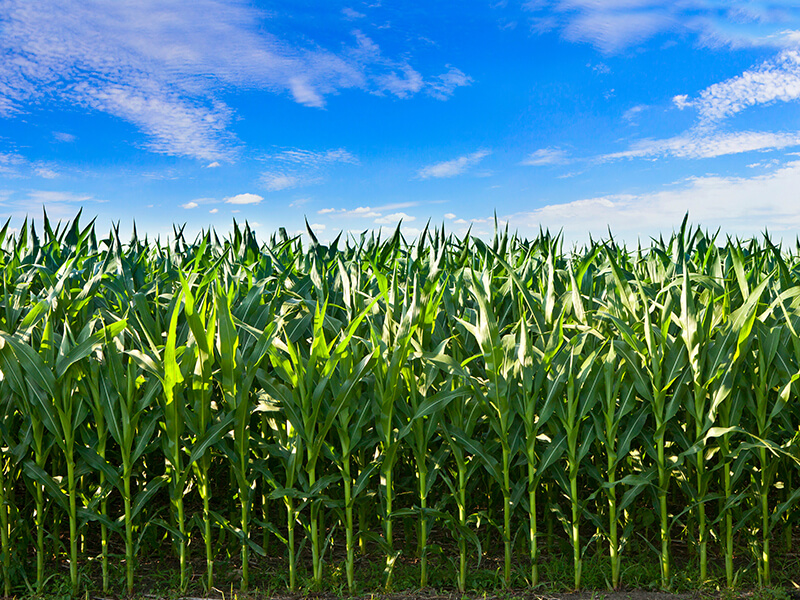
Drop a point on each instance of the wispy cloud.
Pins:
(48, 196)
(352, 14)
(45, 171)
(59, 204)
(704, 144)
(312, 158)
(296, 167)
(451, 168)
(276, 182)
(547, 156)
(372, 212)
(614, 25)
(244, 199)
(725, 202)
(633, 113)
(442, 86)
(776, 80)
(64, 137)
(403, 82)
(10, 163)
(400, 78)
(395, 218)
(161, 64)
(361, 212)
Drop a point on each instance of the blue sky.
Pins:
(576, 115)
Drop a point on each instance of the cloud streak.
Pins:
(773, 81)
(776, 80)
(726, 202)
(296, 167)
(162, 65)
(701, 144)
(244, 199)
(451, 168)
(546, 157)
(614, 25)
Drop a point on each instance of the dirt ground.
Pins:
(520, 595)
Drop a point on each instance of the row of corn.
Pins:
(343, 390)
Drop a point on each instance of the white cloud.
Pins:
(190, 205)
(317, 226)
(275, 182)
(159, 64)
(45, 172)
(632, 114)
(10, 163)
(449, 216)
(212, 165)
(442, 86)
(296, 167)
(611, 31)
(703, 144)
(681, 101)
(776, 80)
(305, 93)
(244, 199)
(58, 204)
(64, 137)
(175, 126)
(398, 77)
(451, 168)
(765, 164)
(361, 212)
(403, 82)
(740, 206)
(547, 156)
(394, 218)
(53, 196)
(351, 14)
(613, 25)
(311, 158)
(371, 212)
(214, 211)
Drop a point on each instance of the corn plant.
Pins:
(766, 401)
(617, 426)
(350, 428)
(55, 369)
(392, 346)
(496, 394)
(162, 362)
(206, 429)
(655, 360)
(128, 399)
(455, 381)
(240, 353)
(576, 381)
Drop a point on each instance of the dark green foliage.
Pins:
(382, 413)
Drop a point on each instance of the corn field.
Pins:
(446, 399)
